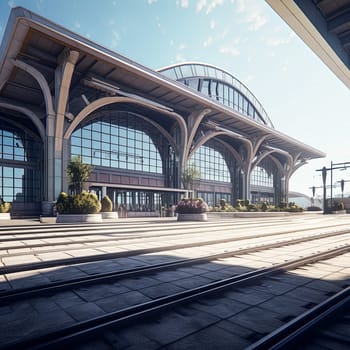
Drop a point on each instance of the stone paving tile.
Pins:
(20, 260)
(138, 283)
(101, 291)
(172, 326)
(192, 282)
(66, 299)
(323, 285)
(306, 294)
(29, 324)
(31, 281)
(83, 252)
(130, 339)
(274, 287)
(43, 305)
(96, 267)
(122, 301)
(250, 296)
(53, 256)
(284, 306)
(161, 290)
(84, 311)
(193, 270)
(291, 278)
(257, 319)
(210, 338)
(168, 276)
(238, 330)
(64, 273)
(4, 284)
(220, 307)
(93, 345)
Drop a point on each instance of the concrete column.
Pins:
(104, 191)
(63, 77)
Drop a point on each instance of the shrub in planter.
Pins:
(5, 207)
(106, 204)
(222, 203)
(83, 203)
(313, 208)
(191, 206)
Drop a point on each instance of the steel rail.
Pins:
(8, 296)
(72, 334)
(292, 332)
(105, 256)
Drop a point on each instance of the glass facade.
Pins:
(20, 158)
(221, 86)
(212, 164)
(260, 177)
(213, 198)
(119, 140)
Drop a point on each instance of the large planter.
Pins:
(192, 217)
(79, 218)
(109, 215)
(5, 216)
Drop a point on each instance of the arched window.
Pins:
(20, 159)
(260, 177)
(212, 164)
(119, 140)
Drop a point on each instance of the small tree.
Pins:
(106, 204)
(78, 173)
(190, 174)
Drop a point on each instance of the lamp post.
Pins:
(324, 177)
(324, 170)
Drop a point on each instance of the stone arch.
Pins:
(31, 115)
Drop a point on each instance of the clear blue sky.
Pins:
(302, 96)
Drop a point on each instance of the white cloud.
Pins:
(212, 24)
(180, 58)
(182, 3)
(200, 5)
(208, 6)
(208, 41)
(213, 4)
(231, 51)
(115, 39)
(280, 41)
(12, 3)
(77, 24)
(182, 46)
(151, 1)
(247, 79)
(252, 14)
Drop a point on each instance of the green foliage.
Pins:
(190, 174)
(191, 206)
(78, 172)
(313, 208)
(106, 204)
(5, 207)
(83, 203)
(339, 206)
(264, 206)
(223, 204)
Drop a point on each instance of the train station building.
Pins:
(62, 95)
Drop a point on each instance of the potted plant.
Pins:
(83, 207)
(5, 208)
(107, 209)
(192, 209)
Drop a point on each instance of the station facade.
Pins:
(62, 95)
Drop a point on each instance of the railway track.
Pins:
(152, 309)
(73, 335)
(35, 291)
(324, 326)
